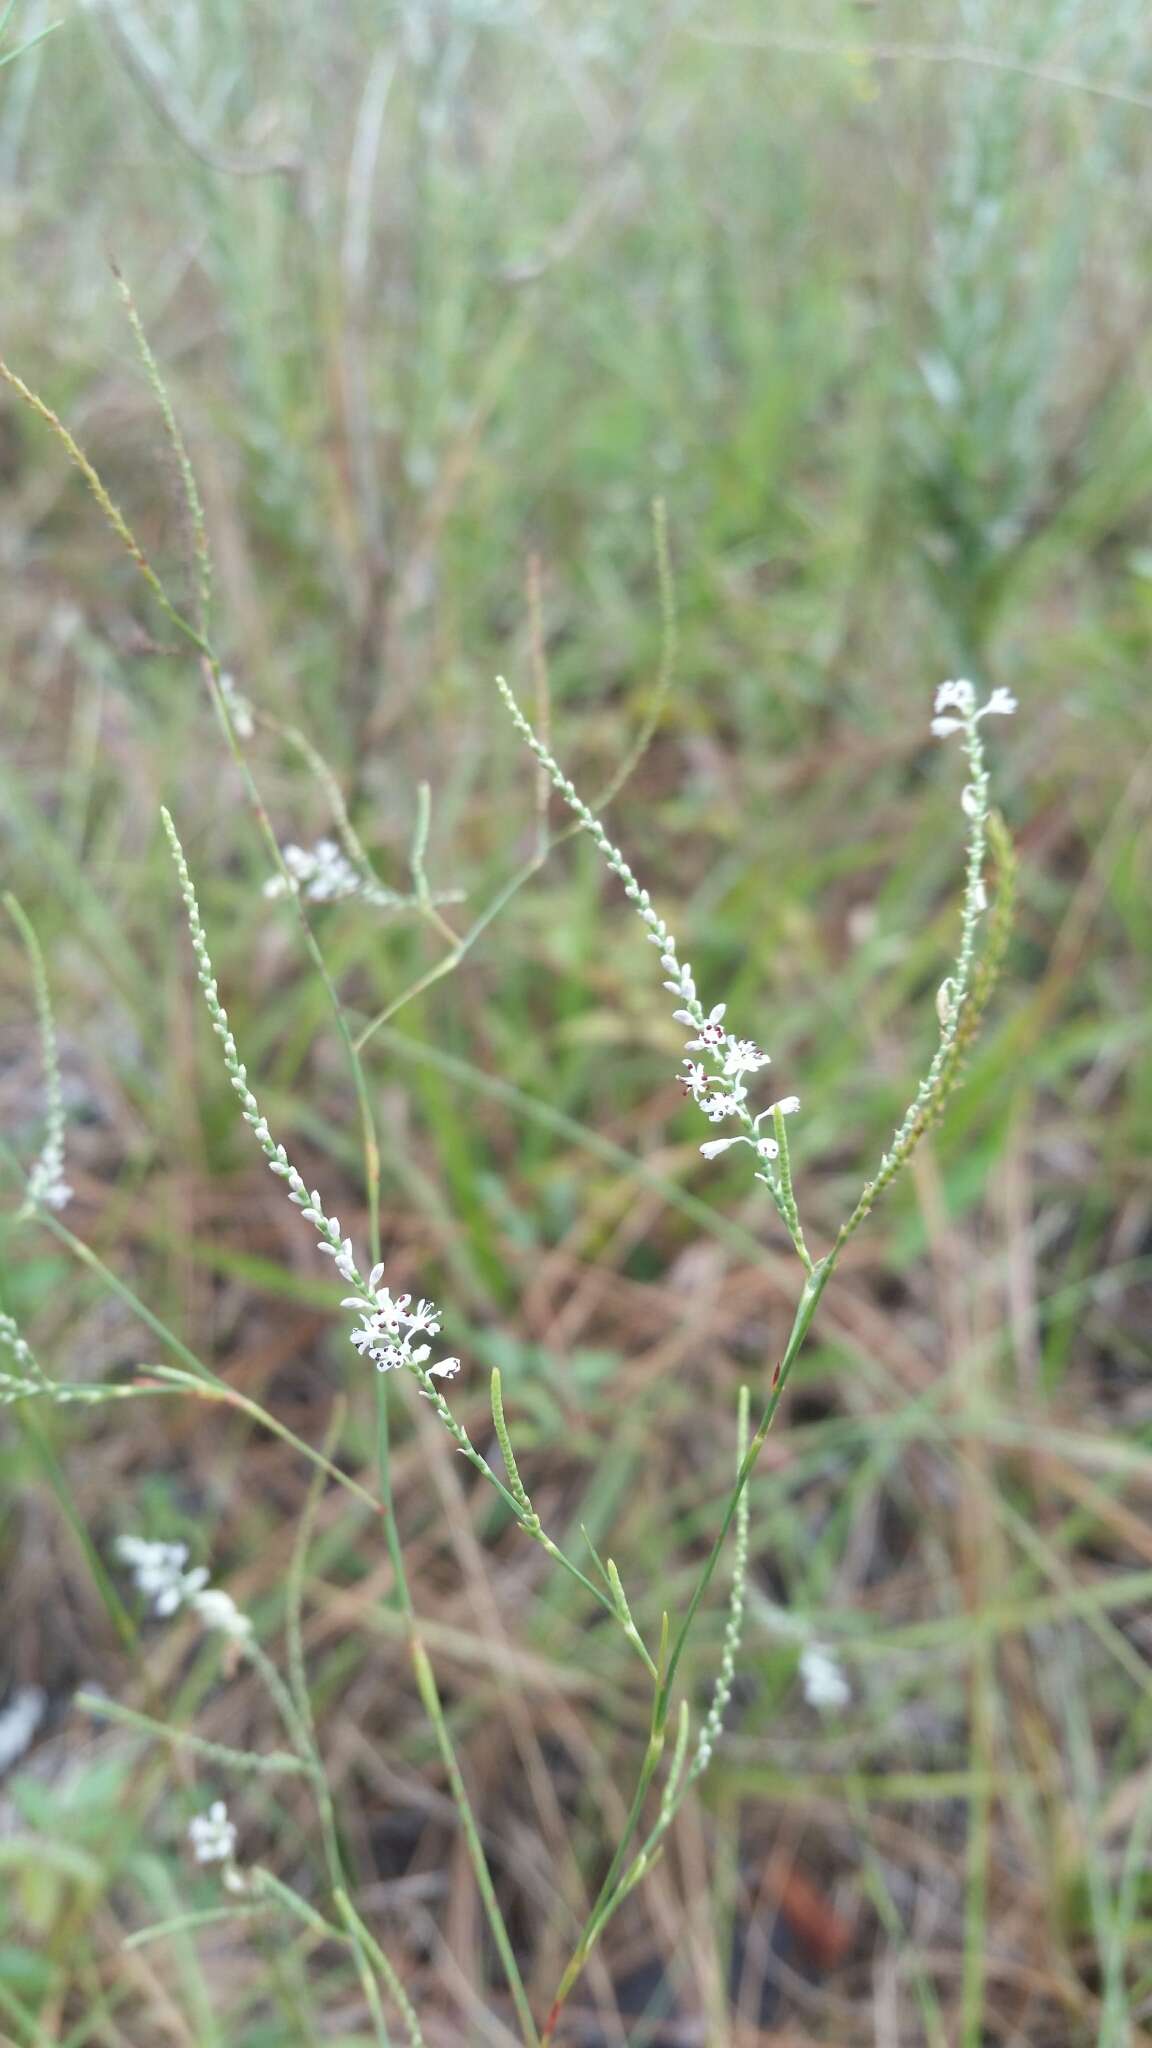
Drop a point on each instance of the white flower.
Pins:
(218, 1610)
(47, 1185)
(213, 1835)
(388, 1325)
(958, 696)
(719, 1106)
(158, 1569)
(970, 801)
(825, 1686)
(743, 1057)
(961, 697)
(345, 1259)
(695, 1079)
(159, 1572)
(1000, 704)
(765, 1148)
(324, 874)
(712, 1030)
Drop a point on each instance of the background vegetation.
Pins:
(446, 292)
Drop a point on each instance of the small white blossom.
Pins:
(1000, 704)
(695, 1079)
(825, 1686)
(324, 874)
(218, 1610)
(716, 1107)
(388, 1325)
(743, 1057)
(961, 698)
(957, 696)
(345, 1258)
(764, 1148)
(158, 1569)
(160, 1575)
(712, 1032)
(47, 1185)
(213, 1835)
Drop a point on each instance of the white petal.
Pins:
(1001, 704)
(956, 696)
(716, 1146)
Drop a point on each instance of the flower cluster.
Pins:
(825, 1686)
(390, 1326)
(46, 1182)
(324, 874)
(213, 1839)
(213, 1835)
(721, 1090)
(387, 1328)
(960, 697)
(161, 1575)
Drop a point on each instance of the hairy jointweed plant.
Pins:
(721, 1073)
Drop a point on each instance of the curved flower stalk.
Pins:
(390, 1329)
(29, 1377)
(387, 1329)
(962, 996)
(720, 1090)
(46, 1186)
(720, 1087)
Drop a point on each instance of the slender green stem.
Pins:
(433, 1707)
(609, 1893)
(387, 1970)
(272, 1762)
(121, 1289)
(209, 1916)
(460, 947)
